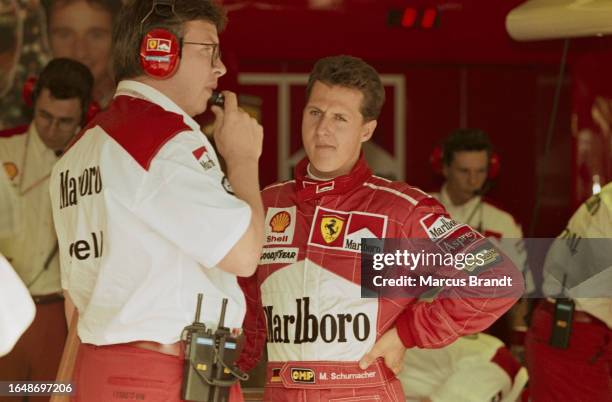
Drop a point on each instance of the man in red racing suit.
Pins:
(325, 342)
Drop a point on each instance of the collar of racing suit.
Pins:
(311, 189)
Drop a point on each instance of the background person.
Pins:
(469, 167)
(82, 30)
(578, 267)
(474, 368)
(24, 51)
(60, 99)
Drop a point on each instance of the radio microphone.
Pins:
(217, 99)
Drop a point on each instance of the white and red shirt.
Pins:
(31, 247)
(143, 214)
(309, 273)
(582, 255)
(475, 368)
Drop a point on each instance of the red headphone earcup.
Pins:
(28, 90)
(435, 159)
(159, 53)
(494, 166)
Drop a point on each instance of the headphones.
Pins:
(31, 91)
(437, 163)
(160, 49)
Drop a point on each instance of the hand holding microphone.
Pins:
(237, 135)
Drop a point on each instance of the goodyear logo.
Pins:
(302, 376)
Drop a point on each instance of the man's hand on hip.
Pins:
(390, 348)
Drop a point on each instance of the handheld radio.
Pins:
(562, 321)
(208, 371)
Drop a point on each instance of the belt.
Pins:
(579, 316)
(173, 349)
(50, 298)
(326, 374)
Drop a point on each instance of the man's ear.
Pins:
(368, 130)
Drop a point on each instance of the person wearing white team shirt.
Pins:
(60, 100)
(146, 219)
(578, 266)
(474, 368)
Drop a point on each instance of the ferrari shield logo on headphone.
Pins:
(159, 53)
(159, 44)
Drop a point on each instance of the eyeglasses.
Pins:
(216, 50)
(63, 123)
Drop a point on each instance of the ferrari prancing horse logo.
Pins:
(331, 227)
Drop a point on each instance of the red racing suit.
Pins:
(318, 327)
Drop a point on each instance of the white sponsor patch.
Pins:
(438, 226)
(279, 255)
(279, 225)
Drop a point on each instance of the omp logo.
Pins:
(438, 226)
(159, 45)
(302, 375)
(280, 222)
(278, 255)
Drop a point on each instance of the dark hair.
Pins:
(465, 139)
(128, 31)
(354, 73)
(111, 6)
(66, 79)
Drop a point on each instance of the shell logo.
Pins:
(11, 170)
(280, 222)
